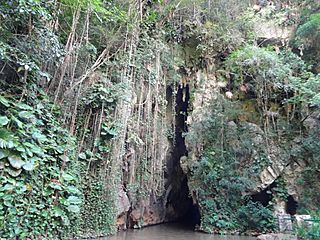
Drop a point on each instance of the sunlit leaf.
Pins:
(82, 156)
(28, 166)
(74, 200)
(3, 153)
(67, 177)
(73, 208)
(16, 161)
(55, 186)
(58, 211)
(64, 158)
(73, 189)
(4, 101)
(13, 172)
(26, 115)
(4, 120)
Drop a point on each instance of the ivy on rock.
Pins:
(39, 183)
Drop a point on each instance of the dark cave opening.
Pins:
(291, 205)
(184, 208)
(264, 197)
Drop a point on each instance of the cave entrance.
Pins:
(291, 206)
(183, 208)
(264, 197)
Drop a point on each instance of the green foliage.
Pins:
(280, 191)
(308, 181)
(277, 79)
(105, 10)
(221, 177)
(307, 35)
(261, 65)
(39, 185)
(254, 216)
(99, 211)
(309, 230)
(103, 93)
(308, 89)
(16, 14)
(309, 32)
(234, 153)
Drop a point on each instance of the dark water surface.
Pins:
(172, 231)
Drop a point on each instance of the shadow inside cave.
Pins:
(179, 199)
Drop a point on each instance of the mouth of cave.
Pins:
(265, 197)
(183, 208)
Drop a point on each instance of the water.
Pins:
(173, 231)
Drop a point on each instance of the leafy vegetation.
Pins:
(88, 106)
(39, 181)
(309, 230)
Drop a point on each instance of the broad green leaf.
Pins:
(26, 115)
(8, 203)
(67, 177)
(13, 172)
(39, 137)
(21, 149)
(33, 148)
(18, 122)
(4, 120)
(73, 208)
(112, 131)
(64, 158)
(16, 161)
(28, 166)
(55, 186)
(74, 200)
(4, 153)
(4, 101)
(73, 189)
(82, 156)
(5, 134)
(58, 211)
(8, 187)
(24, 106)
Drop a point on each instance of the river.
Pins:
(172, 231)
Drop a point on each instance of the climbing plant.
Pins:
(39, 179)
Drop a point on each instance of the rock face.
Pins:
(149, 208)
(284, 223)
(270, 28)
(154, 185)
(123, 207)
(149, 213)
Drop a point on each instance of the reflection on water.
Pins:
(173, 231)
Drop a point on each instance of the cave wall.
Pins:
(158, 162)
(146, 198)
